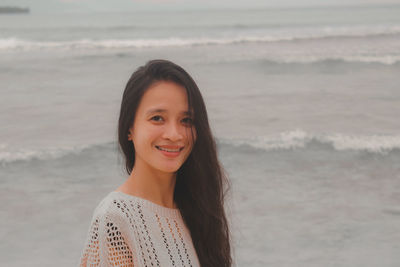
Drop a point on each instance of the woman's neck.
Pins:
(155, 186)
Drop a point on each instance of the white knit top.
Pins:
(130, 231)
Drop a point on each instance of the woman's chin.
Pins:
(170, 169)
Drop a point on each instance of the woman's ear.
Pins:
(130, 135)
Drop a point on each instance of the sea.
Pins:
(304, 103)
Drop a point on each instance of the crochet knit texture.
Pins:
(130, 231)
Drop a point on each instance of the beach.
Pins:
(303, 102)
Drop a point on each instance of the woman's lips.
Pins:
(168, 153)
(170, 148)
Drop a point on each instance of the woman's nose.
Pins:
(173, 132)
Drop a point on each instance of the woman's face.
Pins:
(162, 123)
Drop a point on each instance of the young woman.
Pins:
(170, 211)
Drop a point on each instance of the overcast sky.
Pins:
(131, 5)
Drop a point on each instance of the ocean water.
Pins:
(304, 104)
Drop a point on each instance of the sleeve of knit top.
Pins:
(105, 245)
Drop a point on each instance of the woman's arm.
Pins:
(105, 245)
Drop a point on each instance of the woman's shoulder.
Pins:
(109, 207)
(120, 206)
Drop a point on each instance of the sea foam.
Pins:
(273, 35)
(381, 144)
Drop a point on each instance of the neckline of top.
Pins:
(164, 211)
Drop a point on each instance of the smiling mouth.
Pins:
(169, 150)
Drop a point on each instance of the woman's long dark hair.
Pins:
(199, 189)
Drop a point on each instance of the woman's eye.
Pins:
(188, 121)
(156, 118)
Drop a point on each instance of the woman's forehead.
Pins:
(165, 97)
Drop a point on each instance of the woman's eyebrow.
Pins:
(160, 110)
